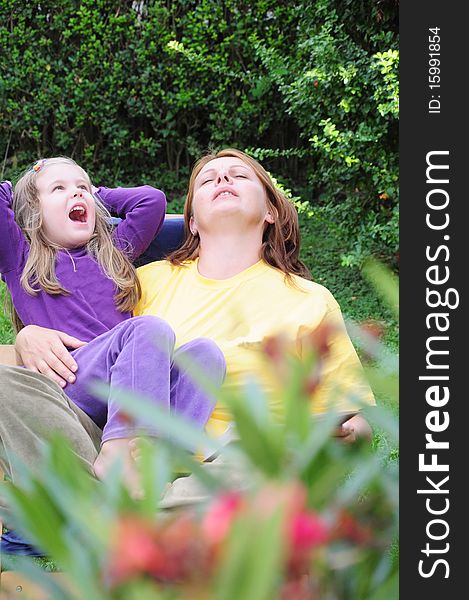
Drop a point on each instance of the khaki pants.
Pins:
(31, 408)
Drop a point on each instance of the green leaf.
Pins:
(388, 589)
(252, 564)
(385, 283)
(262, 443)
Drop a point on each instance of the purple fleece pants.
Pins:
(139, 355)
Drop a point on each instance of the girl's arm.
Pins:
(142, 210)
(12, 240)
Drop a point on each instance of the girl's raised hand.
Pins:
(45, 351)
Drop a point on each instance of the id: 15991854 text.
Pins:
(434, 70)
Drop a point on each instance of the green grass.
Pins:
(358, 300)
(45, 563)
(7, 335)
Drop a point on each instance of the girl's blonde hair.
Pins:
(40, 265)
(281, 239)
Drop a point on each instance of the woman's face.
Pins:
(228, 188)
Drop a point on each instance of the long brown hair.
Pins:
(281, 239)
(40, 265)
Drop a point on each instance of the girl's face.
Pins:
(68, 208)
(227, 187)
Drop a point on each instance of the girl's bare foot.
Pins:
(123, 450)
(135, 448)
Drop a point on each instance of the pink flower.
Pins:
(220, 516)
(134, 550)
(307, 530)
(170, 550)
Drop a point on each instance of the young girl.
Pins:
(66, 270)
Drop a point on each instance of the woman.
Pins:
(238, 280)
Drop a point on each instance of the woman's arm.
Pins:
(45, 351)
(342, 382)
(142, 210)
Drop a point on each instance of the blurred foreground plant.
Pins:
(317, 520)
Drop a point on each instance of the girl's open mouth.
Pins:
(78, 213)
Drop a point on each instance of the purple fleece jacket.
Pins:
(89, 310)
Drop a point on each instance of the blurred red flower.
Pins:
(307, 530)
(169, 550)
(348, 527)
(373, 328)
(220, 515)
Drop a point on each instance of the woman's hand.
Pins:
(355, 428)
(45, 351)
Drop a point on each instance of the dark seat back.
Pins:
(169, 238)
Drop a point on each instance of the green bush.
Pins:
(341, 86)
(106, 82)
(136, 91)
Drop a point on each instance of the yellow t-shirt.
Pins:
(240, 312)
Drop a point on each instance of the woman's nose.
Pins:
(223, 177)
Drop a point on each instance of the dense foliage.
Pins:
(135, 91)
